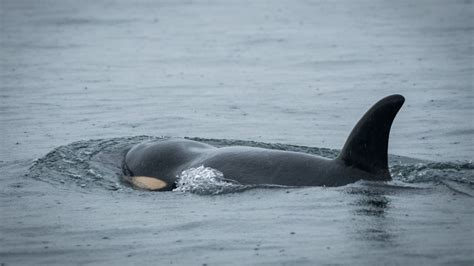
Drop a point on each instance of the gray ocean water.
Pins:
(81, 82)
(423, 216)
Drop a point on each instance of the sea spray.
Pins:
(206, 181)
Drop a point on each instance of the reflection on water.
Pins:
(370, 209)
(372, 204)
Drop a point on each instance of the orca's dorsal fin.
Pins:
(367, 145)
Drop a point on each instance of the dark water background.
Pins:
(77, 77)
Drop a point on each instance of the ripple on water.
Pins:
(97, 164)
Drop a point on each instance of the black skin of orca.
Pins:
(364, 156)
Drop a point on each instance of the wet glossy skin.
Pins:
(247, 165)
(364, 156)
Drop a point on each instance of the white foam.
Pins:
(205, 180)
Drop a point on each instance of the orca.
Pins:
(157, 165)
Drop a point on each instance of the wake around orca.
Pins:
(157, 165)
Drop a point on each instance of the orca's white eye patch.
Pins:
(147, 182)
